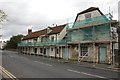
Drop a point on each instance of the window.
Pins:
(35, 39)
(41, 50)
(48, 30)
(35, 50)
(51, 49)
(84, 50)
(88, 16)
(57, 50)
(52, 38)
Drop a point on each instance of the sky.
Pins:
(39, 14)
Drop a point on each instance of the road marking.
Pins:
(107, 69)
(86, 74)
(8, 73)
(43, 63)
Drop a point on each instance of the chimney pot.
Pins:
(29, 31)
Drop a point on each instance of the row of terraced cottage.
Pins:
(91, 37)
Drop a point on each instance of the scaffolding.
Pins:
(97, 28)
(58, 42)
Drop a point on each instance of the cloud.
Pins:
(43, 13)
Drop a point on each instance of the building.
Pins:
(48, 42)
(92, 36)
(2, 44)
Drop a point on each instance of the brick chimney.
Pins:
(29, 31)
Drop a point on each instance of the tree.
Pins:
(14, 40)
(2, 16)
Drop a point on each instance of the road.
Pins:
(27, 66)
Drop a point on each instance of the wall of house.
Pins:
(39, 39)
(55, 37)
(52, 51)
(62, 34)
(73, 52)
(61, 53)
(94, 56)
(93, 14)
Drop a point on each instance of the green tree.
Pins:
(14, 40)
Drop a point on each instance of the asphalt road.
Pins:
(27, 66)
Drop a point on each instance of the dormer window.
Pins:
(35, 40)
(49, 29)
(88, 16)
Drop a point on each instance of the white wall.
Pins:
(54, 37)
(62, 34)
(52, 53)
(93, 14)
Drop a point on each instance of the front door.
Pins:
(44, 51)
(102, 54)
(65, 53)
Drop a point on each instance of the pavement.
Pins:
(95, 65)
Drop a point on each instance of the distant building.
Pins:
(2, 44)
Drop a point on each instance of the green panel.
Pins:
(88, 33)
(77, 35)
(42, 43)
(102, 32)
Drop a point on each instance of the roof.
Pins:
(89, 10)
(55, 30)
(35, 34)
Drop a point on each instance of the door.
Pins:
(44, 51)
(65, 53)
(102, 54)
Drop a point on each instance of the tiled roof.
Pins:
(55, 30)
(35, 34)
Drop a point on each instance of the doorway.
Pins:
(102, 54)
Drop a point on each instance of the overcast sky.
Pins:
(39, 14)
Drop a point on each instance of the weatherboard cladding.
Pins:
(55, 30)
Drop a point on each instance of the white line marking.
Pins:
(8, 73)
(85, 73)
(43, 63)
(107, 69)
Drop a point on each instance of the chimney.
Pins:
(29, 31)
